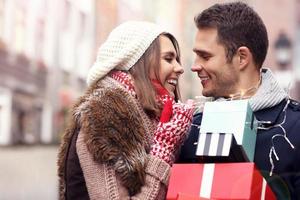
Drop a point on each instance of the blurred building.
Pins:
(70, 52)
(280, 17)
(45, 50)
(22, 73)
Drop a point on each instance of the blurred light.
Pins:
(283, 50)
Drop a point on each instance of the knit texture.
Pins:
(106, 183)
(125, 80)
(123, 48)
(268, 94)
(175, 121)
(170, 135)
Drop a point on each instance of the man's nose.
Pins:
(196, 67)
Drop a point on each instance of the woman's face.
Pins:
(170, 69)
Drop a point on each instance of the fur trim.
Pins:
(73, 124)
(113, 133)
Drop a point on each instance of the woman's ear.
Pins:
(244, 57)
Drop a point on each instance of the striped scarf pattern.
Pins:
(269, 93)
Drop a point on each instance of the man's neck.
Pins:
(249, 83)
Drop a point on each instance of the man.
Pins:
(231, 45)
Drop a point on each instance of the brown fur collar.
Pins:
(114, 134)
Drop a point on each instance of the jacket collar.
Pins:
(270, 114)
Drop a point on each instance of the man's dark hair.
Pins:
(237, 25)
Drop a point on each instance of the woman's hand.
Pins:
(174, 124)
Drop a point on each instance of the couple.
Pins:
(128, 129)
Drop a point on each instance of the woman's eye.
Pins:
(168, 59)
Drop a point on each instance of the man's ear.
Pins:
(244, 57)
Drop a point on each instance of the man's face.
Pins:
(219, 78)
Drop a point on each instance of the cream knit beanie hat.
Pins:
(123, 48)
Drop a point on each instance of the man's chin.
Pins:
(207, 93)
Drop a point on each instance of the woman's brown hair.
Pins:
(141, 74)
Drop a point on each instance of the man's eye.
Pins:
(205, 57)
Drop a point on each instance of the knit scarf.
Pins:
(268, 94)
(125, 80)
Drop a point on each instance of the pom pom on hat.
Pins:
(123, 48)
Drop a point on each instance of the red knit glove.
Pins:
(172, 129)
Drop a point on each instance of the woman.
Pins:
(126, 129)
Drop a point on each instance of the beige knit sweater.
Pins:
(113, 146)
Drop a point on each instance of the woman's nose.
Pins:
(178, 68)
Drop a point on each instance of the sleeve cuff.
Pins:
(158, 168)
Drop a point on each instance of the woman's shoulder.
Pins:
(103, 86)
(103, 92)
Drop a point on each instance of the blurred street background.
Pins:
(28, 172)
(47, 47)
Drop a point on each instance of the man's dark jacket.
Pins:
(285, 181)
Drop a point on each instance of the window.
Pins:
(19, 32)
(2, 2)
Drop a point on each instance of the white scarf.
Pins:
(269, 92)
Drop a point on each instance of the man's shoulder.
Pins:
(293, 113)
(294, 105)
